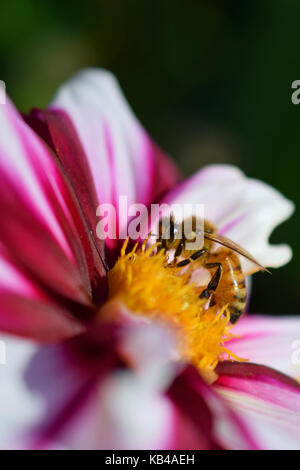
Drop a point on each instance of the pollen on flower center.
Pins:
(146, 284)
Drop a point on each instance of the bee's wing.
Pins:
(221, 240)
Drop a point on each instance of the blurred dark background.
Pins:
(209, 79)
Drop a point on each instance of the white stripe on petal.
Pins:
(125, 414)
(274, 427)
(20, 407)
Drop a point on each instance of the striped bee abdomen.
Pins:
(231, 289)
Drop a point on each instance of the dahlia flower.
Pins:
(105, 347)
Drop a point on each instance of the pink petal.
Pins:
(56, 379)
(39, 238)
(268, 401)
(68, 147)
(125, 409)
(208, 421)
(113, 148)
(27, 310)
(244, 209)
(123, 413)
(273, 342)
(89, 404)
(92, 404)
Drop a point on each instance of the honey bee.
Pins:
(227, 283)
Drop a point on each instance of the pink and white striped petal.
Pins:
(122, 413)
(245, 210)
(206, 421)
(37, 226)
(121, 157)
(41, 247)
(267, 401)
(27, 310)
(270, 341)
(44, 387)
(91, 403)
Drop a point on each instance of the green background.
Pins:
(210, 80)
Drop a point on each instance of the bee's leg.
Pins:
(178, 250)
(162, 245)
(212, 301)
(172, 227)
(197, 254)
(193, 257)
(214, 282)
(182, 263)
(166, 232)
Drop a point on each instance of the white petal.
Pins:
(151, 351)
(20, 407)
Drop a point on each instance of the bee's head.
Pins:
(169, 230)
(189, 229)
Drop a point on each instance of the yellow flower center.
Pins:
(145, 283)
